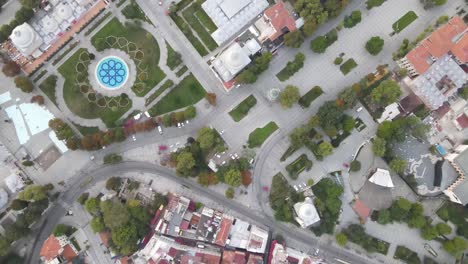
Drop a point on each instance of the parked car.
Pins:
(160, 130)
(133, 137)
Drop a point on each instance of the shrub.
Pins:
(338, 60)
(374, 45)
(230, 193)
(355, 165)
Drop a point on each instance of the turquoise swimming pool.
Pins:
(112, 72)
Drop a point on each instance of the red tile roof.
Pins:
(124, 260)
(280, 19)
(228, 257)
(437, 44)
(68, 253)
(361, 210)
(172, 252)
(239, 258)
(51, 248)
(463, 121)
(223, 232)
(255, 259)
(460, 50)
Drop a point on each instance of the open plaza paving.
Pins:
(124, 71)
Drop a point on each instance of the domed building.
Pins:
(63, 12)
(306, 213)
(231, 61)
(26, 40)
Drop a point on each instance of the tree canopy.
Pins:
(386, 93)
(379, 146)
(374, 45)
(293, 39)
(206, 138)
(33, 193)
(185, 163)
(289, 96)
(233, 177)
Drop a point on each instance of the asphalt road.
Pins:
(102, 173)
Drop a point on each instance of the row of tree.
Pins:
(403, 210)
(173, 118)
(31, 202)
(259, 65)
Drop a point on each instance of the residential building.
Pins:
(450, 38)
(280, 254)
(57, 250)
(382, 178)
(276, 21)
(306, 213)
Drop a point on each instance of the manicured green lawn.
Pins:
(84, 130)
(188, 33)
(259, 135)
(133, 11)
(310, 96)
(299, 165)
(181, 71)
(242, 109)
(166, 85)
(172, 59)
(205, 20)
(404, 21)
(142, 48)
(203, 34)
(406, 254)
(48, 86)
(188, 92)
(348, 66)
(76, 100)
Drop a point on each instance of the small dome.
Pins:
(234, 59)
(23, 36)
(307, 211)
(63, 11)
(50, 25)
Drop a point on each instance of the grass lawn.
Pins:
(203, 34)
(166, 85)
(291, 149)
(404, 21)
(205, 20)
(348, 66)
(48, 86)
(133, 11)
(181, 71)
(242, 109)
(188, 92)
(172, 60)
(298, 165)
(146, 58)
(76, 100)
(188, 33)
(259, 135)
(310, 96)
(405, 254)
(84, 130)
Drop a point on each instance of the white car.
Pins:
(178, 125)
(133, 137)
(359, 109)
(295, 188)
(186, 121)
(224, 162)
(160, 3)
(222, 132)
(160, 130)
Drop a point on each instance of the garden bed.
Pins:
(203, 34)
(259, 135)
(406, 255)
(140, 45)
(166, 85)
(348, 66)
(310, 96)
(48, 86)
(404, 21)
(189, 35)
(188, 92)
(289, 152)
(299, 165)
(242, 109)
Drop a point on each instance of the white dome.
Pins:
(50, 25)
(307, 211)
(23, 36)
(234, 59)
(63, 11)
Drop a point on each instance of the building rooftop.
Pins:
(361, 209)
(460, 50)
(437, 44)
(461, 191)
(307, 214)
(231, 16)
(462, 121)
(382, 177)
(439, 82)
(51, 248)
(231, 61)
(280, 19)
(410, 102)
(68, 253)
(223, 232)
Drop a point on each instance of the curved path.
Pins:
(102, 173)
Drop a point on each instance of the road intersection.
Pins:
(236, 134)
